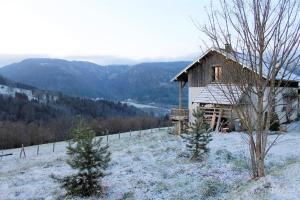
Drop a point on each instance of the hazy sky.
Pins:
(133, 29)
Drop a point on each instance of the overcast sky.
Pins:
(134, 29)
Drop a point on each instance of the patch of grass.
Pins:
(160, 186)
(129, 171)
(165, 175)
(47, 165)
(136, 158)
(224, 154)
(180, 184)
(292, 160)
(240, 164)
(256, 189)
(152, 146)
(212, 188)
(129, 152)
(277, 167)
(262, 192)
(168, 149)
(140, 183)
(128, 196)
(183, 154)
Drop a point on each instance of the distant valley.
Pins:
(146, 83)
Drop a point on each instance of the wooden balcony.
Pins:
(179, 114)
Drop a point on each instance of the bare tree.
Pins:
(263, 37)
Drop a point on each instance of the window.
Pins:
(216, 73)
(285, 104)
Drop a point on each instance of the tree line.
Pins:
(30, 122)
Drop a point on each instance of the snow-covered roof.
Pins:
(219, 94)
(245, 62)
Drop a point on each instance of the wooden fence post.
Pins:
(119, 135)
(38, 149)
(53, 147)
(107, 138)
(130, 133)
(22, 151)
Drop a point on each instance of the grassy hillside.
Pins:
(154, 166)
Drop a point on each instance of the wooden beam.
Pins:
(219, 120)
(180, 94)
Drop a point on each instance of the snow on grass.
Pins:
(154, 166)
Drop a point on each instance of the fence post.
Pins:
(22, 151)
(119, 135)
(106, 135)
(130, 133)
(53, 147)
(38, 149)
(140, 133)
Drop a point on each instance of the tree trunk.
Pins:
(259, 141)
(253, 161)
(260, 167)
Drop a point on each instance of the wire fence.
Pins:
(36, 150)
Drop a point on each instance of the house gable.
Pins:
(210, 69)
(199, 72)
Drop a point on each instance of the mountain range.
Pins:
(144, 83)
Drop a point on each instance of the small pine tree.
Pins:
(90, 158)
(198, 136)
(274, 123)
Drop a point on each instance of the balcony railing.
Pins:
(179, 114)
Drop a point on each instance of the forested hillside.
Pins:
(31, 122)
(19, 108)
(31, 116)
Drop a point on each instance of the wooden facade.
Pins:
(201, 73)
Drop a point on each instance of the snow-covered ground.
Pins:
(154, 166)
